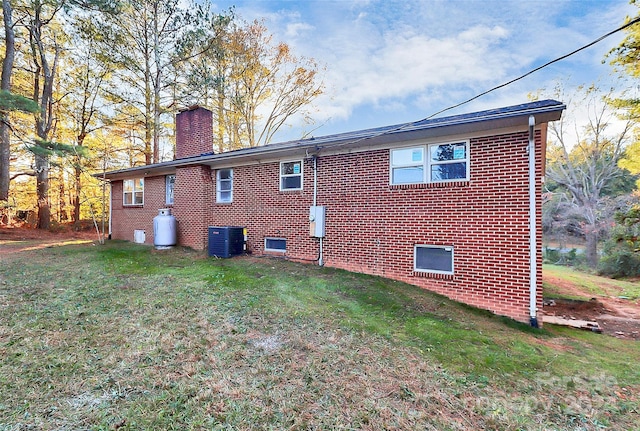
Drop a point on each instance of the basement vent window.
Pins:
(275, 244)
(433, 259)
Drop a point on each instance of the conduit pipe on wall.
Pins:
(533, 248)
(315, 202)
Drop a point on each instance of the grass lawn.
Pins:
(589, 284)
(124, 337)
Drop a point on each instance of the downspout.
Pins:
(315, 203)
(110, 206)
(533, 263)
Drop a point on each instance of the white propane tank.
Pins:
(164, 229)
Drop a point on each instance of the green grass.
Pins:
(590, 284)
(124, 337)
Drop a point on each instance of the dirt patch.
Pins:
(616, 317)
(17, 240)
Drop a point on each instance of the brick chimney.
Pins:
(194, 132)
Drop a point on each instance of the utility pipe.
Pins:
(110, 209)
(533, 248)
(315, 180)
(315, 203)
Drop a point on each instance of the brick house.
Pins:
(450, 204)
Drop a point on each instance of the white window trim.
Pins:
(218, 179)
(432, 271)
(426, 162)
(301, 175)
(133, 193)
(277, 250)
(166, 190)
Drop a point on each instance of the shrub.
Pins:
(621, 263)
(621, 257)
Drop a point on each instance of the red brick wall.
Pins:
(372, 227)
(195, 132)
(265, 211)
(126, 219)
(193, 200)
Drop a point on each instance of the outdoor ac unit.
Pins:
(226, 241)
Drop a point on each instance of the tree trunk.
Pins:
(591, 251)
(5, 157)
(221, 117)
(42, 189)
(156, 85)
(148, 110)
(76, 197)
(5, 84)
(63, 215)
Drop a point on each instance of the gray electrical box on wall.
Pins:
(316, 221)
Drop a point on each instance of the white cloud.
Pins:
(407, 65)
(400, 61)
(297, 29)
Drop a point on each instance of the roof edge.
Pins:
(461, 123)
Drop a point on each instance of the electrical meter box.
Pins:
(316, 221)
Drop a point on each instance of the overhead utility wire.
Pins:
(484, 93)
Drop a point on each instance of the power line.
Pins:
(484, 93)
(630, 23)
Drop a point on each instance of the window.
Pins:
(291, 175)
(133, 192)
(170, 183)
(434, 259)
(448, 162)
(407, 165)
(224, 185)
(444, 162)
(275, 244)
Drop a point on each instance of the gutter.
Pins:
(533, 263)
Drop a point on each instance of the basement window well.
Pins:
(433, 259)
(275, 244)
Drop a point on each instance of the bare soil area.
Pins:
(20, 239)
(617, 317)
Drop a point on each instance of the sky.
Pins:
(390, 62)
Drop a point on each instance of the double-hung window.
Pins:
(224, 186)
(407, 165)
(170, 181)
(133, 192)
(291, 175)
(430, 163)
(448, 162)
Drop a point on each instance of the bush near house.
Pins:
(621, 257)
